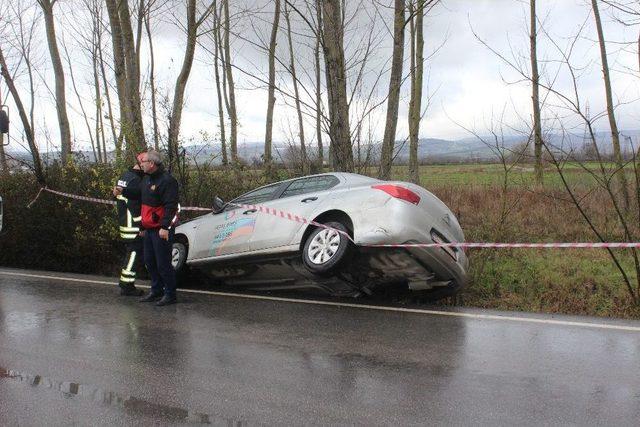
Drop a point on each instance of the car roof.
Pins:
(346, 179)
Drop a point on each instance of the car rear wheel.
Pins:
(326, 249)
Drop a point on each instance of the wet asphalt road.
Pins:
(74, 353)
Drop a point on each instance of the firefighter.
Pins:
(129, 219)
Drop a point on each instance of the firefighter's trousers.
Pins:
(133, 259)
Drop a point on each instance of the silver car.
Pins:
(241, 245)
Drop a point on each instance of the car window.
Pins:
(310, 185)
(257, 196)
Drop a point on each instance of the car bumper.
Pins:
(398, 223)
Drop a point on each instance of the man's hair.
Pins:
(155, 157)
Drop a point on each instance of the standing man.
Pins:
(159, 196)
(129, 227)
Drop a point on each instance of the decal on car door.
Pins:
(227, 232)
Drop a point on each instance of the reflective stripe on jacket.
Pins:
(129, 217)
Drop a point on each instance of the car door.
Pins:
(301, 197)
(229, 232)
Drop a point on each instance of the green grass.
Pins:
(493, 174)
(554, 281)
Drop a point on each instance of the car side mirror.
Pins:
(4, 121)
(218, 205)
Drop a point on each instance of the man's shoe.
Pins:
(166, 300)
(150, 297)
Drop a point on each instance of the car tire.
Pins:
(325, 251)
(178, 256)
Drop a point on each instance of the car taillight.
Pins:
(399, 192)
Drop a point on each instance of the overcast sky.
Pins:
(467, 84)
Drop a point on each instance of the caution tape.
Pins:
(296, 218)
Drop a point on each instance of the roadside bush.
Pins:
(61, 234)
(57, 233)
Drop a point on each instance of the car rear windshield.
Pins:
(310, 185)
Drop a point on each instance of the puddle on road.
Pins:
(128, 404)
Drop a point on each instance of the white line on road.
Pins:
(361, 306)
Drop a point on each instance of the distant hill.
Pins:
(429, 149)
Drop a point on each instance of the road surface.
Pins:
(73, 352)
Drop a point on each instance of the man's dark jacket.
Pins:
(159, 197)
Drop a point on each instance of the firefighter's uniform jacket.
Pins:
(129, 219)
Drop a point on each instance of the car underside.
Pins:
(366, 271)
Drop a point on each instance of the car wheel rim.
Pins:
(175, 257)
(323, 246)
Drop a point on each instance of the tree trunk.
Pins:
(140, 22)
(415, 103)
(181, 82)
(303, 148)
(395, 81)
(318, 88)
(135, 138)
(58, 71)
(271, 98)
(117, 139)
(339, 129)
(233, 116)
(120, 74)
(98, 97)
(615, 136)
(28, 129)
(216, 60)
(152, 83)
(3, 157)
(535, 83)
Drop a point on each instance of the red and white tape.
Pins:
(296, 218)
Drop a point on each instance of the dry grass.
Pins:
(572, 281)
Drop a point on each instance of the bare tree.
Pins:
(231, 102)
(318, 92)
(395, 82)
(336, 80)
(127, 72)
(136, 140)
(26, 124)
(615, 135)
(61, 102)
(181, 83)
(152, 81)
(292, 70)
(535, 97)
(271, 98)
(417, 69)
(219, 90)
(103, 75)
(3, 157)
(631, 9)
(85, 116)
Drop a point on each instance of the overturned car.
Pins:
(263, 239)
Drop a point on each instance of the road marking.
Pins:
(361, 306)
